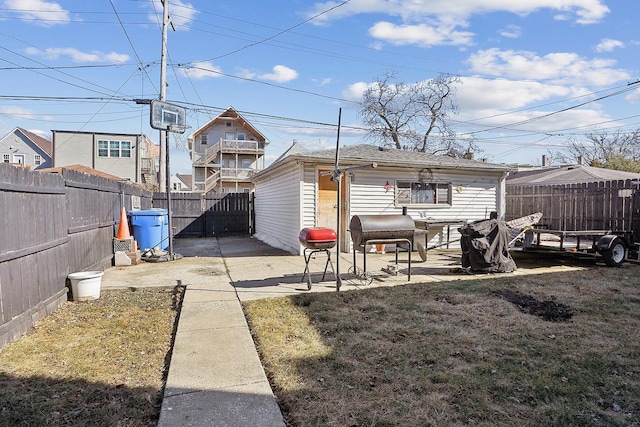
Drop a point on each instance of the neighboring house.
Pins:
(293, 193)
(181, 182)
(226, 152)
(26, 149)
(130, 156)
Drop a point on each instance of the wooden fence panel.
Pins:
(585, 206)
(55, 224)
(200, 215)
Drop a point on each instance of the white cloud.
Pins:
(559, 68)
(476, 93)
(440, 21)
(633, 97)
(181, 13)
(38, 12)
(505, 103)
(201, 70)
(354, 91)
(584, 11)
(607, 45)
(511, 31)
(422, 34)
(18, 113)
(280, 74)
(78, 56)
(322, 82)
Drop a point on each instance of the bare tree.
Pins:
(413, 116)
(617, 150)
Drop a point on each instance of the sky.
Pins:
(533, 74)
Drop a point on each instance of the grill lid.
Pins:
(381, 227)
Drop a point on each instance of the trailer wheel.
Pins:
(614, 255)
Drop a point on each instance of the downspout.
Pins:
(502, 196)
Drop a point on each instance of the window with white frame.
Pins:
(114, 148)
(204, 139)
(416, 193)
(6, 158)
(37, 159)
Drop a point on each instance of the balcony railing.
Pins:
(236, 174)
(147, 165)
(227, 146)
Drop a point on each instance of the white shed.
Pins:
(292, 193)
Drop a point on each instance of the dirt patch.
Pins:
(548, 310)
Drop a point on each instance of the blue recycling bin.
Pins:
(150, 228)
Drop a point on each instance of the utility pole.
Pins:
(164, 144)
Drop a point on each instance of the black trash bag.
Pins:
(485, 246)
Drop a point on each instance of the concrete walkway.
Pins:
(215, 375)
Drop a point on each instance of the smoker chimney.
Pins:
(580, 160)
(544, 160)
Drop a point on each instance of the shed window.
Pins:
(37, 160)
(417, 193)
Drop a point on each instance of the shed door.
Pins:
(328, 203)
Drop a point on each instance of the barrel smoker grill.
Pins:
(381, 229)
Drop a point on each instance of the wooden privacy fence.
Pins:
(207, 215)
(54, 224)
(57, 224)
(606, 205)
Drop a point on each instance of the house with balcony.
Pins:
(130, 156)
(226, 153)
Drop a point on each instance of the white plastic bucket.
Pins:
(85, 285)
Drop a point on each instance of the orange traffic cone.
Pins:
(123, 227)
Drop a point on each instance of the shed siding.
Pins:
(475, 200)
(277, 209)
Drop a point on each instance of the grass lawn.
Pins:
(98, 363)
(557, 349)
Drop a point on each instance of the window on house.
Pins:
(6, 158)
(125, 149)
(416, 193)
(246, 163)
(114, 148)
(228, 124)
(241, 137)
(37, 160)
(230, 136)
(103, 149)
(204, 139)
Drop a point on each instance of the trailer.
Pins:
(612, 247)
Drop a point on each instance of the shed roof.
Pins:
(571, 174)
(365, 153)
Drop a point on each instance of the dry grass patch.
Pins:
(459, 353)
(99, 363)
